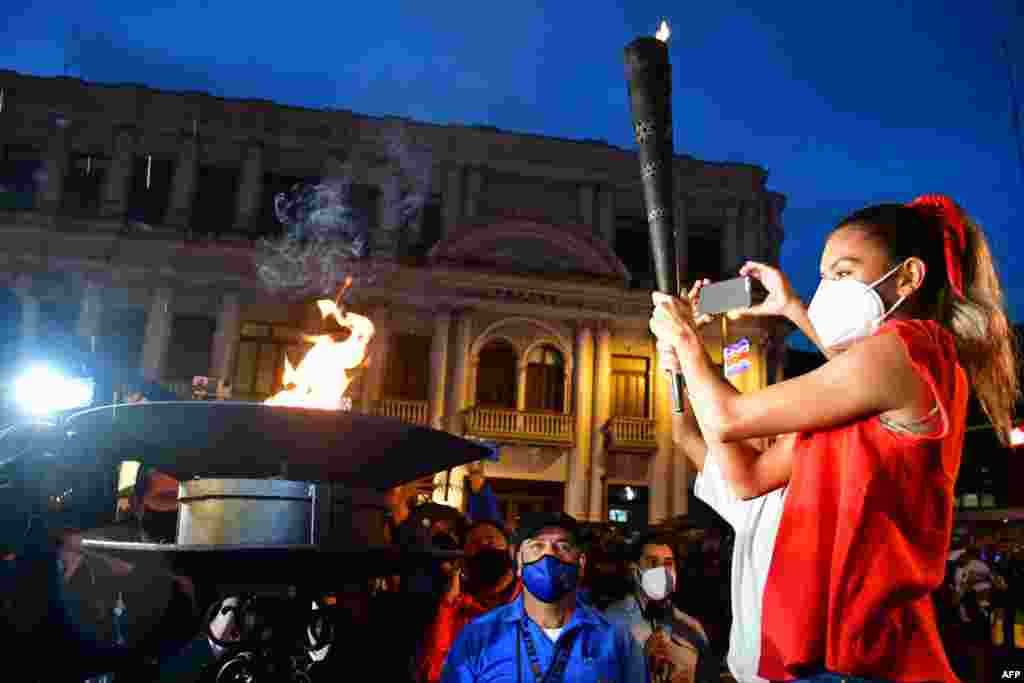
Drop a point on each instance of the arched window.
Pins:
(545, 379)
(496, 375)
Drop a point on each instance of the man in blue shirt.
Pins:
(546, 635)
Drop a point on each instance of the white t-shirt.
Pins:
(756, 524)
(553, 633)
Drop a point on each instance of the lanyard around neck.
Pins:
(556, 671)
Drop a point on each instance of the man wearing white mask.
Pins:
(676, 647)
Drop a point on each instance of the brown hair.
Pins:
(986, 341)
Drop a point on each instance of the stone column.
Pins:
(55, 167)
(601, 413)
(521, 384)
(452, 207)
(731, 246)
(585, 198)
(567, 392)
(179, 208)
(29, 320)
(115, 185)
(459, 389)
(250, 187)
(474, 188)
(225, 339)
(606, 214)
(375, 374)
(158, 334)
(90, 316)
(578, 475)
(660, 484)
(439, 367)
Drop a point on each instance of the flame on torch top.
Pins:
(664, 32)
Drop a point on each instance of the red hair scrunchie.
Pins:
(954, 231)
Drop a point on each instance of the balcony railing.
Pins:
(633, 433)
(521, 426)
(413, 412)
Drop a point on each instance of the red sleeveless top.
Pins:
(864, 536)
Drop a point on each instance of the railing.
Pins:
(633, 433)
(413, 412)
(514, 425)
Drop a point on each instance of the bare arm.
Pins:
(688, 436)
(874, 376)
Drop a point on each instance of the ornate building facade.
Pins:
(514, 304)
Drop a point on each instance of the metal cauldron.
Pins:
(246, 512)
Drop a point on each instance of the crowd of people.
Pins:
(834, 489)
(980, 608)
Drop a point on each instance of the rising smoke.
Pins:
(327, 239)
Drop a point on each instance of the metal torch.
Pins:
(649, 78)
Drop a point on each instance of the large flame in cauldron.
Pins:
(320, 378)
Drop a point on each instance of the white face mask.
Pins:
(657, 583)
(843, 311)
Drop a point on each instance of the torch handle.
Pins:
(678, 390)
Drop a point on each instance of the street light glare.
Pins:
(41, 390)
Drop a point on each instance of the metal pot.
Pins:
(246, 512)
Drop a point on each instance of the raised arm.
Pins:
(874, 376)
(686, 434)
(750, 470)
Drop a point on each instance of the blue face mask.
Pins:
(548, 578)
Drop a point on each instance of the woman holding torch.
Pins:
(910, 314)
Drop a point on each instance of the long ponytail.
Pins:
(961, 291)
(986, 341)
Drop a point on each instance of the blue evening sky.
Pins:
(845, 104)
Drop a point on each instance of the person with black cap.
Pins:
(547, 634)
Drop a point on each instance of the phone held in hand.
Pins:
(730, 295)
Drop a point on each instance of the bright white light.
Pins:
(42, 390)
(1017, 436)
(630, 493)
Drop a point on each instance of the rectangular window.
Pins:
(545, 380)
(407, 374)
(83, 185)
(365, 200)
(630, 391)
(633, 247)
(266, 223)
(149, 192)
(20, 167)
(259, 367)
(191, 343)
(545, 388)
(703, 258)
(216, 201)
(430, 227)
